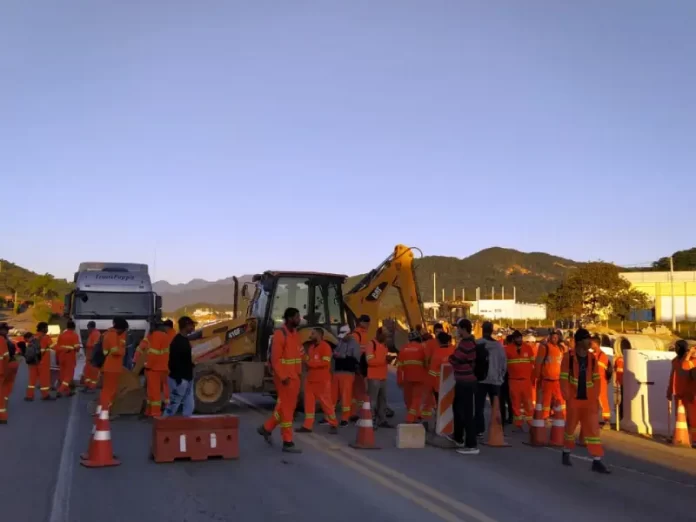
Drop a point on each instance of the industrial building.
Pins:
(663, 288)
(507, 309)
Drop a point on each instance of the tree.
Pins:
(594, 289)
(44, 286)
(15, 284)
(683, 260)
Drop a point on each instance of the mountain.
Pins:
(28, 284)
(683, 260)
(533, 274)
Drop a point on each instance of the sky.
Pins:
(220, 138)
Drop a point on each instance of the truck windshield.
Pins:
(110, 304)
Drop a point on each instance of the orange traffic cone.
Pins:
(100, 453)
(557, 427)
(537, 426)
(365, 436)
(496, 438)
(681, 430)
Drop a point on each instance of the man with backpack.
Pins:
(38, 359)
(489, 384)
(346, 359)
(113, 346)
(464, 362)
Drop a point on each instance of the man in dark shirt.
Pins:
(181, 371)
(463, 362)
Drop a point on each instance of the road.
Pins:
(43, 481)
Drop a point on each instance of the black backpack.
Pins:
(33, 352)
(98, 356)
(482, 364)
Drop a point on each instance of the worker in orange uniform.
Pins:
(579, 381)
(4, 369)
(67, 345)
(114, 346)
(439, 356)
(91, 372)
(40, 368)
(286, 364)
(346, 364)
(531, 341)
(430, 345)
(688, 386)
(619, 373)
(376, 357)
(412, 375)
(156, 368)
(317, 385)
(605, 371)
(520, 366)
(359, 333)
(547, 371)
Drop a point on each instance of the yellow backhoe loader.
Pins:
(231, 355)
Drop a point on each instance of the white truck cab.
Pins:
(104, 291)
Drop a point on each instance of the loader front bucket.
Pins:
(130, 398)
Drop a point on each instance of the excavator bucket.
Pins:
(131, 394)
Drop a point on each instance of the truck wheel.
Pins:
(212, 391)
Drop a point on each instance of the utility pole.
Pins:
(434, 287)
(463, 294)
(671, 280)
(503, 295)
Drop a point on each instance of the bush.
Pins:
(42, 313)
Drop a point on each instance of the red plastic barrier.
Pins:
(195, 438)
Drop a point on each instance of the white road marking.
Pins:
(60, 505)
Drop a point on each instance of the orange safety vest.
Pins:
(157, 356)
(376, 356)
(286, 354)
(548, 362)
(318, 359)
(114, 346)
(520, 361)
(569, 378)
(411, 363)
(440, 356)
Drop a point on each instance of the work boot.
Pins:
(333, 430)
(289, 447)
(354, 418)
(385, 424)
(323, 422)
(390, 413)
(566, 459)
(265, 434)
(599, 467)
(344, 424)
(303, 430)
(3, 422)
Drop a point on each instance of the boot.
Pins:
(289, 447)
(265, 434)
(599, 467)
(303, 430)
(333, 430)
(566, 459)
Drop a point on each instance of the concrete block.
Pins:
(410, 436)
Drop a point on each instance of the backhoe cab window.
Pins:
(290, 292)
(334, 303)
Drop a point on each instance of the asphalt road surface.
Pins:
(43, 481)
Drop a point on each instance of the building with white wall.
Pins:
(507, 309)
(662, 288)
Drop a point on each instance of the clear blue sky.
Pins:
(233, 137)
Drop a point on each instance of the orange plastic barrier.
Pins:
(195, 438)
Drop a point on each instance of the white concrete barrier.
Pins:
(646, 374)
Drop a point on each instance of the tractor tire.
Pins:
(211, 390)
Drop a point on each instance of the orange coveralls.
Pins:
(41, 373)
(581, 411)
(317, 386)
(66, 347)
(286, 364)
(4, 361)
(359, 382)
(156, 371)
(91, 373)
(429, 404)
(520, 365)
(440, 356)
(412, 376)
(689, 396)
(547, 371)
(603, 364)
(114, 345)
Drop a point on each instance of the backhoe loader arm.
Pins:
(396, 271)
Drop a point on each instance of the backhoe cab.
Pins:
(231, 356)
